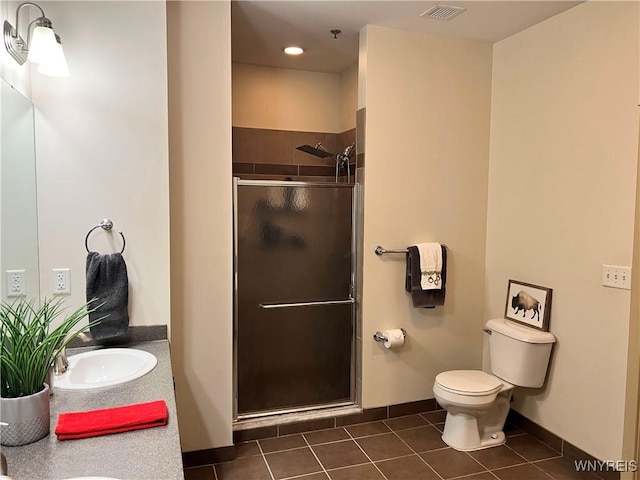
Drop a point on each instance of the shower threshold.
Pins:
(269, 419)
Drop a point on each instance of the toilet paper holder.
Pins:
(380, 337)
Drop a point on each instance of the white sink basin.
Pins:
(104, 368)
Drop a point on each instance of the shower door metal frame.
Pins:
(353, 384)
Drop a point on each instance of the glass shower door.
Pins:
(294, 296)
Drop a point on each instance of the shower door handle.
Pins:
(307, 304)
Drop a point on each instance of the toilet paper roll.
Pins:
(395, 338)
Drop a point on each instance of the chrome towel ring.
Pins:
(105, 224)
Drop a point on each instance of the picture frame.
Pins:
(528, 304)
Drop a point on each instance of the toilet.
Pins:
(477, 403)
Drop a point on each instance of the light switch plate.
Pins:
(616, 276)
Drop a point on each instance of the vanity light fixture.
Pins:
(42, 45)
(293, 50)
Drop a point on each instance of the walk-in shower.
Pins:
(294, 264)
(342, 159)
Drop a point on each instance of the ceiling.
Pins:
(261, 28)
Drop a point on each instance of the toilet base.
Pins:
(473, 430)
(461, 433)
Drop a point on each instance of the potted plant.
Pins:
(29, 344)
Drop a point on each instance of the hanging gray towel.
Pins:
(423, 298)
(107, 281)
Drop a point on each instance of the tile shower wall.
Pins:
(261, 154)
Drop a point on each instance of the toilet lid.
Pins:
(469, 382)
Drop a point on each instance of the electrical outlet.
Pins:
(16, 283)
(616, 276)
(61, 281)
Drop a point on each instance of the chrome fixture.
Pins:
(41, 45)
(61, 363)
(317, 151)
(380, 337)
(342, 159)
(106, 224)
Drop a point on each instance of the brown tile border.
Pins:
(369, 415)
(567, 450)
(254, 434)
(209, 456)
(306, 426)
(412, 408)
(275, 169)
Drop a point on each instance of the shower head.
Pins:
(315, 151)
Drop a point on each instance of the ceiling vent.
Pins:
(443, 12)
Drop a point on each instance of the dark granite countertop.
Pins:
(149, 454)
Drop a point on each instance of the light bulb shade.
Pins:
(42, 44)
(55, 65)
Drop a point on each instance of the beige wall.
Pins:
(201, 248)
(283, 99)
(564, 139)
(427, 158)
(348, 98)
(102, 149)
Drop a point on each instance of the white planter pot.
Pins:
(27, 418)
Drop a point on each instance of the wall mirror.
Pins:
(18, 206)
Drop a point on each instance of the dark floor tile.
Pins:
(314, 476)
(291, 463)
(247, 449)
(278, 444)
(521, 472)
(366, 429)
(326, 436)
(450, 463)
(497, 457)
(402, 423)
(483, 476)
(437, 416)
(360, 472)
(510, 430)
(407, 468)
(339, 454)
(383, 447)
(530, 448)
(439, 427)
(246, 468)
(199, 473)
(422, 439)
(563, 469)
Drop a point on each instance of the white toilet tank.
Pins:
(519, 354)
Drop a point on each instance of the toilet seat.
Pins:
(472, 383)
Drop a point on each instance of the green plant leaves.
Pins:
(29, 343)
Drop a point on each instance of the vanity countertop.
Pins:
(149, 454)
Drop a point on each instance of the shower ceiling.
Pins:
(261, 28)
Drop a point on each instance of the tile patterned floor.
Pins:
(404, 448)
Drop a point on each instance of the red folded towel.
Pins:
(94, 423)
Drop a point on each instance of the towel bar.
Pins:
(381, 250)
(105, 224)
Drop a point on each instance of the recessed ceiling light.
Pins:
(293, 50)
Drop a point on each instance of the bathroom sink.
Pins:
(104, 368)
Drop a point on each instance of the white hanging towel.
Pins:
(430, 265)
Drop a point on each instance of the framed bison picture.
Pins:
(528, 304)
